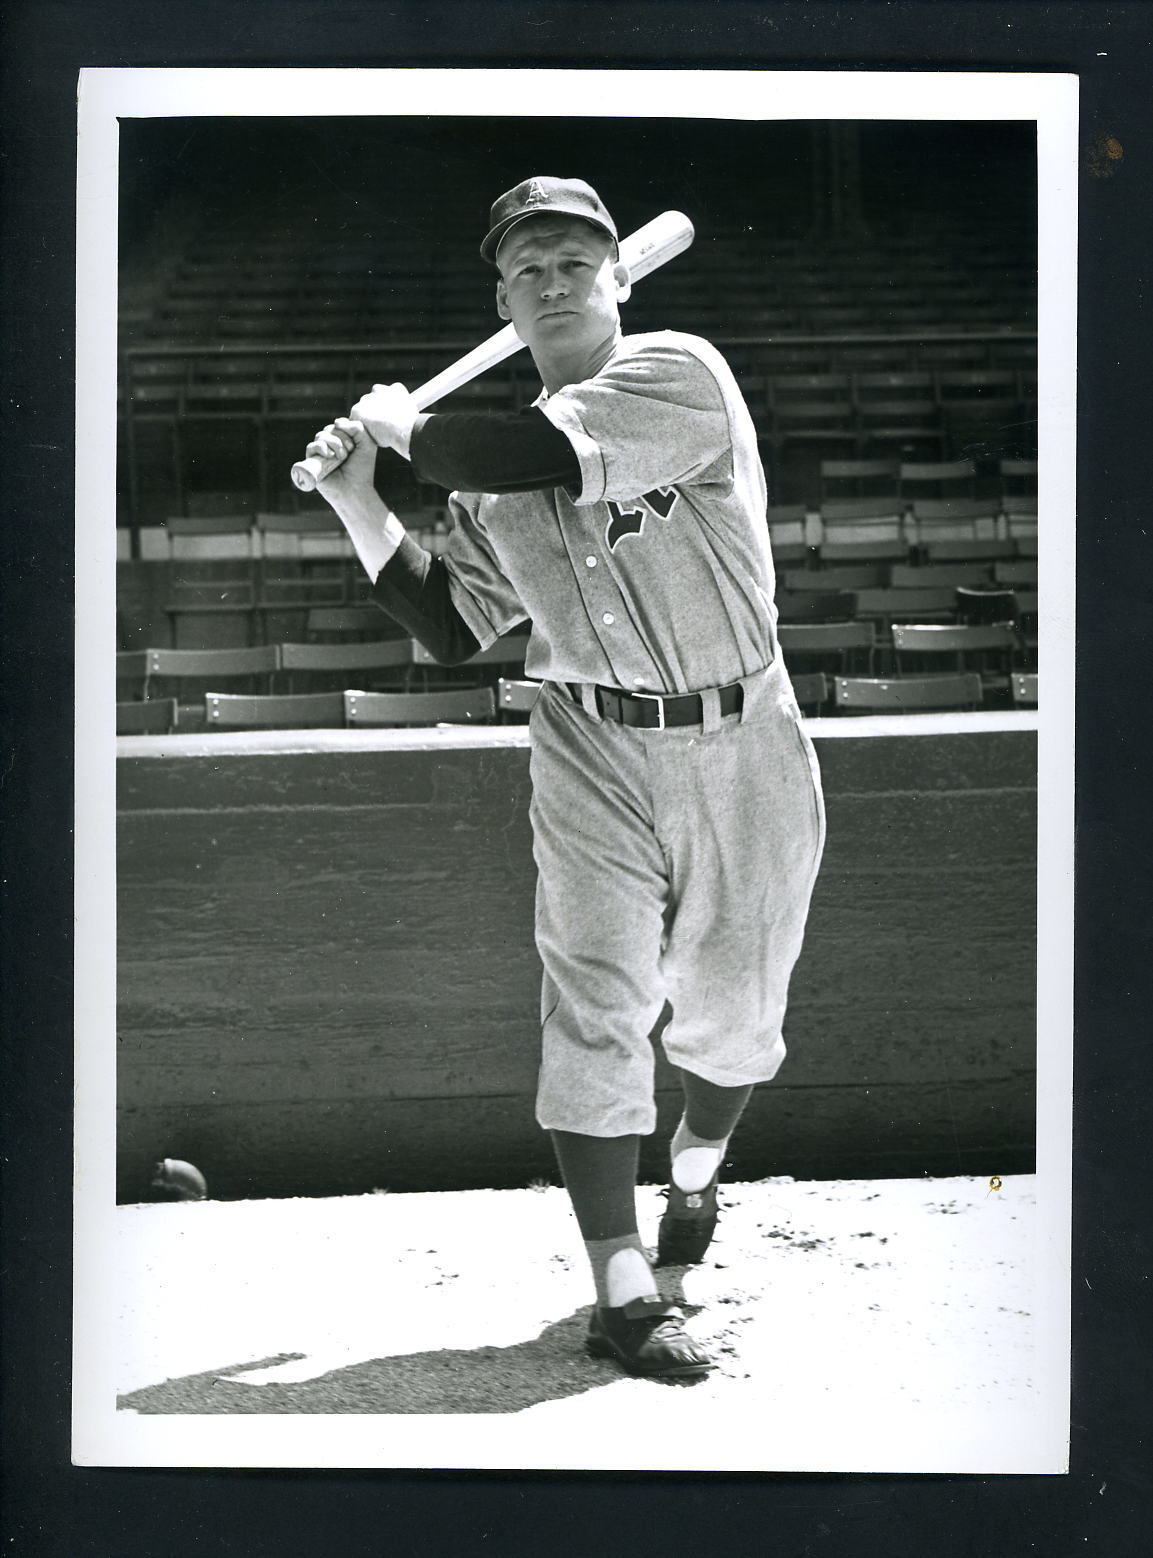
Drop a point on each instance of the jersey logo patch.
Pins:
(628, 519)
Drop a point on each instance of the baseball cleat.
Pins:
(686, 1228)
(646, 1337)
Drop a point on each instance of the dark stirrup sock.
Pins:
(600, 1174)
(711, 1115)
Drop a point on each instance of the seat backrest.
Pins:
(815, 605)
(890, 603)
(940, 471)
(951, 549)
(867, 694)
(517, 697)
(986, 605)
(816, 637)
(345, 619)
(860, 470)
(866, 576)
(156, 717)
(949, 638)
(468, 706)
(1017, 570)
(906, 576)
(811, 688)
(509, 650)
(346, 657)
(885, 509)
(1024, 685)
(292, 711)
(209, 538)
(255, 660)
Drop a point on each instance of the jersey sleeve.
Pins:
(655, 415)
(479, 589)
(496, 451)
(413, 588)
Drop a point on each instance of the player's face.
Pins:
(560, 285)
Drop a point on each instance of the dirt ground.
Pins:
(849, 1319)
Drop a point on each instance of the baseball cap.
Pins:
(533, 196)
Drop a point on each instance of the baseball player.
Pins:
(677, 814)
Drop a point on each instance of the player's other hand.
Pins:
(388, 412)
(348, 441)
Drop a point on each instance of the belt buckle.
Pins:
(659, 700)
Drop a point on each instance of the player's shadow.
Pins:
(550, 1367)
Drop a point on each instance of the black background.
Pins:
(1104, 1505)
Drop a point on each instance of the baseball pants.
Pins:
(672, 864)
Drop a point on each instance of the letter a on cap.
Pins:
(536, 193)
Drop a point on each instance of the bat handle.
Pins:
(306, 473)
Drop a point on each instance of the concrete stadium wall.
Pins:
(327, 982)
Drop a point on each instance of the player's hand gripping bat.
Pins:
(645, 250)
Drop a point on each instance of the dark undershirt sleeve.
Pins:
(502, 451)
(413, 588)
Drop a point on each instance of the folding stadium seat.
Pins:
(864, 576)
(304, 559)
(908, 429)
(347, 624)
(936, 479)
(897, 415)
(1018, 572)
(979, 605)
(508, 650)
(939, 550)
(515, 697)
(981, 407)
(788, 532)
(815, 605)
(463, 706)
(284, 711)
(1018, 501)
(906, 695)
(811, 689)
(316, 667)
(953, 519)
(862, 530)
(860, 479)
(1024, 685)
(810, 418)
(157, 717)
(191, 669)
(903, 576)
(213, 583)
(309, 389)
(841, 647)
(988, 650)
(888, 605)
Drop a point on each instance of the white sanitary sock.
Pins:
(694, 1160)
(620, 1269)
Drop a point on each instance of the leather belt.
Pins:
(657, 711)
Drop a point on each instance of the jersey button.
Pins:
(590, 562)
(608, 619)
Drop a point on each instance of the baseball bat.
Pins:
(644, 251)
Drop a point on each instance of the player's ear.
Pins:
(623, 280)
(502, 307)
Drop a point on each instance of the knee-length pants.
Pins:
(672, 864)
